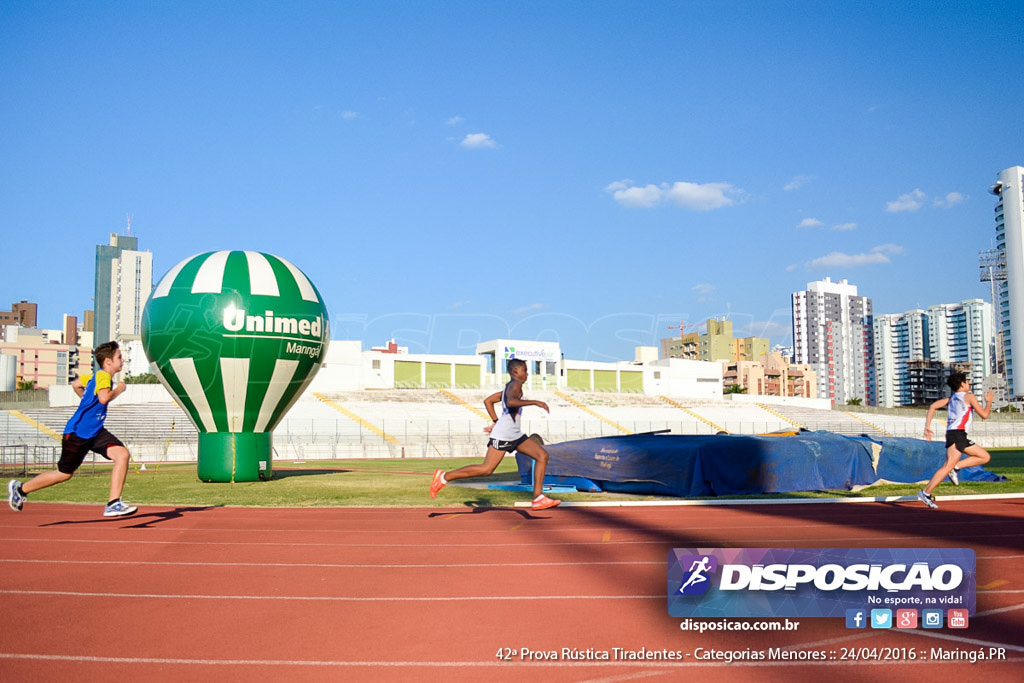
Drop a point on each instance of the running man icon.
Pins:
(697, 570)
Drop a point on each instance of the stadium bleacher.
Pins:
(436, 423)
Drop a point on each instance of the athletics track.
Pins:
(433, 594)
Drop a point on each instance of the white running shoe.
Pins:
(119, 508)
(14, 499)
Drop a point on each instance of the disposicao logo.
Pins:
(817, 582)
(696, 580)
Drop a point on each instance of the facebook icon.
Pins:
(856, 618)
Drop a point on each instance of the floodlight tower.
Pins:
(992, 269)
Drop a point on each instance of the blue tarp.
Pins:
(727, 464)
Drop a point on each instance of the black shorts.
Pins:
(74, 448)
(507, 446)
(958, 438)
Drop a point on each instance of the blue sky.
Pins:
(452, 172)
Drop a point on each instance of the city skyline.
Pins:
(537, 172)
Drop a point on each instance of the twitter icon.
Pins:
(881, 618)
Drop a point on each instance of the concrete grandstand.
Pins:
(425, 423)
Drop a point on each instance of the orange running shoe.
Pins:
(437, 483)
(542, 502)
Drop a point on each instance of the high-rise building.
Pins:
(962, 333)
(900, 338)
(1009, 216)
(911, 347)
(832, 332)
(22, 313)
(124, 280)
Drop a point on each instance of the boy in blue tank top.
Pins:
(85, 432)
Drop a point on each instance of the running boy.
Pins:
(961, 406)
(506, 436)
(84, 432)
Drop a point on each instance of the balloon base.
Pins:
(235, 456)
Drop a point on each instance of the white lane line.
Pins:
(320, 565)
(662, 664)
(738, 502)
(539, 543)
(447, 565)
(328, 598)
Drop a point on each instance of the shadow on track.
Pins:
(139, 521)
(475, 507)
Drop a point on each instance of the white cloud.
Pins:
(950, 200)
(797, 182)
(705, 292)
(527, 309)
(454, 121)
(810, 223)
(842, 227)
(635, 196)
(912, 201)
(701, 197)
(838, 259)
(686, 195)
(349, 114)
(478, 141)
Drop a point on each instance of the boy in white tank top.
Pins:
(961, 407)
(506, 437)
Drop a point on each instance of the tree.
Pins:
(144, 378)
(26, 385)
(854, 401)
(735, 389)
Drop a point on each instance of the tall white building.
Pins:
(948, 334)
(899, 339)
(1009, 215)
(131, 281)
(124, 280)
(962, 333)
(833, 333)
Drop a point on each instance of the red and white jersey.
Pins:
(959, 414)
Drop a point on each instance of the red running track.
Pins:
(436, 593)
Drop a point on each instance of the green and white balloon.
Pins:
(236, 337)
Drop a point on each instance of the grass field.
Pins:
(404, 483)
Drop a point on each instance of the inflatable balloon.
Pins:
(236, 337)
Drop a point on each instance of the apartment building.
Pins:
(916, 350)
(38, 359)
(773, 375)
(717, 343)
(833, 334)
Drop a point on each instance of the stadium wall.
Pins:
(64, 396)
